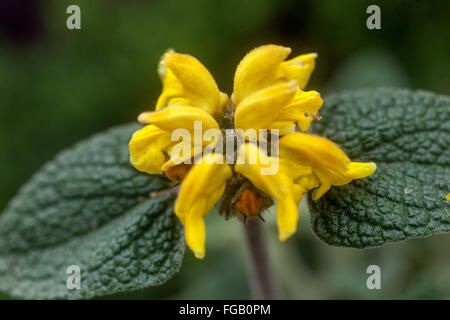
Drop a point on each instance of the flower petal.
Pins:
(293, 169)
(358, 170)
(304, 122)
(172, 93)
(313, 151)
(303, 102)
(199, 86)
(329, 163)
(300, 68)
(172, 118)
(179, 153)
(302, 176)
(195, 231)
(325, 183)
(146, 149)
(257, 70)
(200, 190)
(284, 126)
(260, 109)
(277, 185)
(287, 210)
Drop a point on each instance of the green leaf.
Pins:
(407, 133)
(88, 207)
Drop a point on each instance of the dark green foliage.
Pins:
(407, 134)
(89, 207)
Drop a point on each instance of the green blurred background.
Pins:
(58, 86)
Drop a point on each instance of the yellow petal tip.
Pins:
(199, 254)
(358, 170)
(144, 117)
(286, 234)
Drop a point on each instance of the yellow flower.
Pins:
(189, 94)
(148, 145)
(329, 164)
(305, 162)
(250, 163)
(199, 192)
(268, 94)
(187, 82)
(268, 91)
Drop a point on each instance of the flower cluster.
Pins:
(268, 94)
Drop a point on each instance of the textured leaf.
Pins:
(407, 133)
(90, 208)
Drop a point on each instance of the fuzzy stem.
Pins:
(259, 267)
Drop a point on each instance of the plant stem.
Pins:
(259, 267)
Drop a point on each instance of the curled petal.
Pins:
(200, 190)
(260, 109)
(185, 123)
(303, 102)
(302, 176)
(251, 161)
(180, 153)
(172, 118)
(358, 170)
(284, 126)
(293, 169)
(146, 149)
(329, 163)
(194, 229)
(308, 182)
(184, 76)
(299, 68)
(264, 66)
(287, 210)
(324, 183)
(298, 192)
(328, 178)
(257, 70)
(260, 89)
(172, 93)
(313, 151)
(304, 122)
